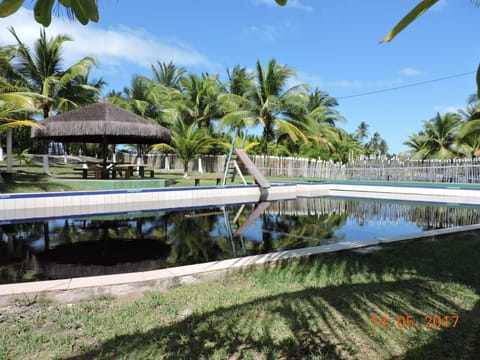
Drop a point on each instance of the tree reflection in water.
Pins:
(141, 241)
(188, 234)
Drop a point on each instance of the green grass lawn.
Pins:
(317, 308)
(31, 179)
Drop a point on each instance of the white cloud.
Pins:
(266, 32)
(311, 80)
(110, 46)
(411, 72)
(346, 84)
(296, 4)
(269, 33)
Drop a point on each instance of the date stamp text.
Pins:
(410, 321)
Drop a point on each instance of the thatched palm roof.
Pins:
(101, 122)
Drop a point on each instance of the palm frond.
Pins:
(416, 12)
(12, 124)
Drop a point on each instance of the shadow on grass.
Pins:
(334, 320)
(331, 323)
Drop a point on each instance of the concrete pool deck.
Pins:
(18, 207)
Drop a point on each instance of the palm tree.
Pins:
(42, 70)
(346, 147)
(235, 104)
(187, 141)
(14, 108)
(278, 111)
(200, 99)
(320, 107)
(16, 102)
(319, 121)
(249, 146)
(240, 81)
(469, 132)
(362, 131)
(143, 97)
(139, 98)
(417, 145)
(168, 75)
(79, 92)
(376, 145)
(440, 137)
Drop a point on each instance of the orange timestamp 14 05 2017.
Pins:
(410, 321)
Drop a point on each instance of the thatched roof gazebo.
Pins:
(101, 123)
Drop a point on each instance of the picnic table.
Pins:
(130, 168)
(95, 170)
(101, 172)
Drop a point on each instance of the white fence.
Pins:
(456, 170)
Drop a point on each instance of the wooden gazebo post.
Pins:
(104, 151)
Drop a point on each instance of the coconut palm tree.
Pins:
(14, 110)
(13, 107)
(168, 75)
(140, 98)
(417, 145)
(143, 97)
(362, 131)
(469, 132)
(319, 121)
(376, 145)
(320, 107)
(240, 81)
(248, 146)
(440, 137)
(200, 99)
(278, 110)
(346, 147)
(16, 102)
(235, 104)
(61, 89)
(187, 141)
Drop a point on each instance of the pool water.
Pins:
(127, 242)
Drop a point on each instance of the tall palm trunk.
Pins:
(46, 110)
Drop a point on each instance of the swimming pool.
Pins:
(121, 241)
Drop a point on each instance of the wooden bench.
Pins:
(217, 177)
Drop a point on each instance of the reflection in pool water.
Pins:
(116, 243)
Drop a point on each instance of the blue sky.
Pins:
(333, 45)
